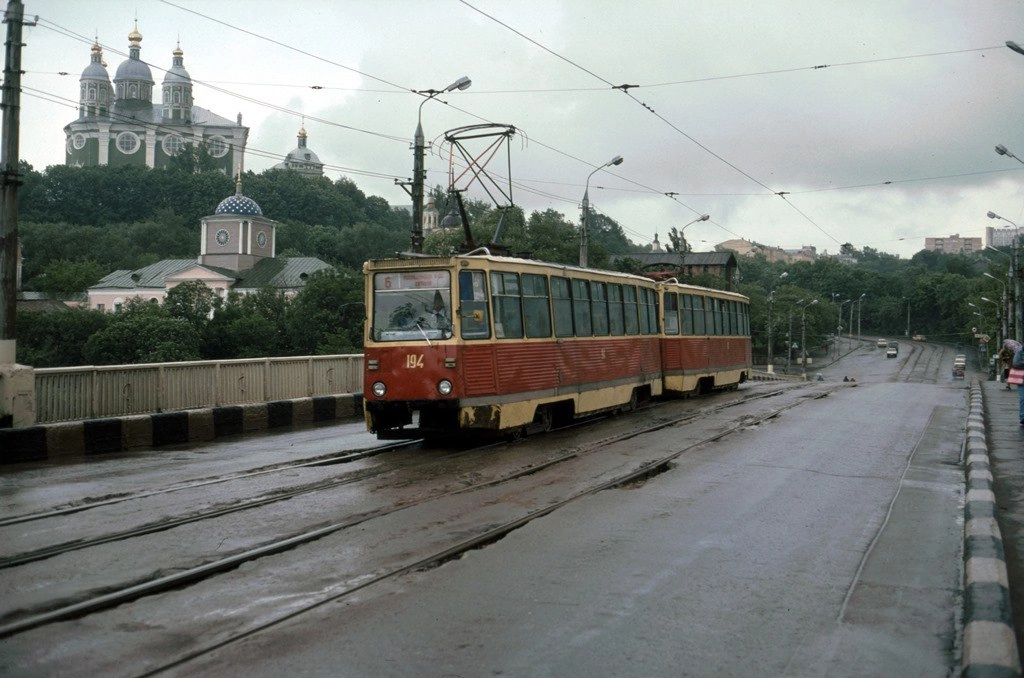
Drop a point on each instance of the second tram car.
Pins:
(493, 344)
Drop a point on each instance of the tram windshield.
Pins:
(409, 305)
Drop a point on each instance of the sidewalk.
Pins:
(1005, 439)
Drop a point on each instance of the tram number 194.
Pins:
(413, 360)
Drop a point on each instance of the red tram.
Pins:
(493, 344)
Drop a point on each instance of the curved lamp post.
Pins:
(682, 240)
(771, 310)
(1002, 150)
(1004, 312)
(839, 327)
(418, 173)
(617, 160)
(860, 314)
(1015, 286)
(803, 335)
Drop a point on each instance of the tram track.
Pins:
(249, 504)
(491, 533)
(346, 457)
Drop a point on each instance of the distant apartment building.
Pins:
(746, 248)
(999, 237)
(953, 244)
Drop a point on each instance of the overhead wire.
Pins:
(625, 90)
(398, 89)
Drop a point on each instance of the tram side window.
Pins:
(615, 324)
(648, 311)
(746, 320)
(699, 327)
(671, 313)
(599, 307)
(508, 315)
(561, 305)
(734, 317)
(473, 305)
(581, 307)
(535, 305)
(686, 314)
(715, 312)
(629, 306)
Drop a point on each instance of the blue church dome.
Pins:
(239, 204)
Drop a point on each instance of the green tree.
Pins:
(56, 339)
(193, 302)
(142, 333)
(63, 279)
(327, 316)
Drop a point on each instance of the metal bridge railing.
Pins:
(96, 392)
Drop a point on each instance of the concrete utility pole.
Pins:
(17, 397)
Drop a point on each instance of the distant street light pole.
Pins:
(1004, 310)
(860, 314)
(907, 333)
(999, 320)
(771, 320)
(803, 335)
(789, 336)
(1002, 150)
(584, 227)
(682, 240)
(839, 327)
(418, 172)
(1015, 272)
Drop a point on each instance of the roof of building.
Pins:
(280, 273)
(238, 204)
(151, 276)
(672, 258)
(177, 73)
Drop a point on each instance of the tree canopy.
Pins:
(79, 224)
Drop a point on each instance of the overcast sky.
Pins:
(876, 118)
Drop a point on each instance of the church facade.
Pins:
(237, 252)
(120, 124)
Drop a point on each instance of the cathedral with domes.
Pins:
(119, 123)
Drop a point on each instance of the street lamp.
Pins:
(860, 315)
(418, 173)
(1000, 330)
(617, 160)
(789, 336)
(1002, 150)
(1015, 282)
(1015, 47)
(1005, 316)
(682, 241)
(839, 326)
(771, 312)
(803, 335)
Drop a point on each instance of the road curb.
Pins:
(97, 437)
(990, 645)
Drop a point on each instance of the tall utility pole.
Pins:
(10, 179)
(17, 382)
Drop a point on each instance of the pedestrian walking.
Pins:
(1006, 359)
(1016, 376)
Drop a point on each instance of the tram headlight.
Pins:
(444, 387)
(379, 389)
